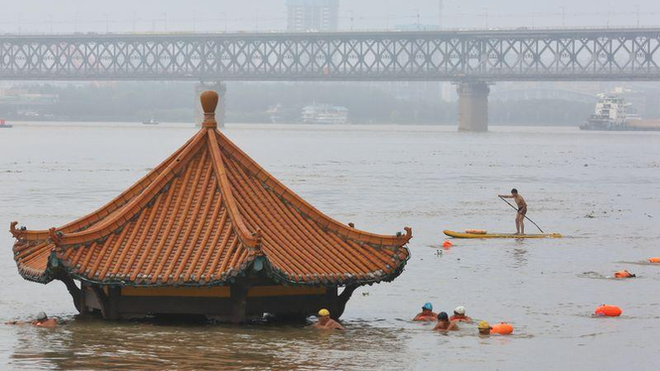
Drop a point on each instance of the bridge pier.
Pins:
(473, 106)
(219, 87)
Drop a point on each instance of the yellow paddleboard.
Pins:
(499, 235)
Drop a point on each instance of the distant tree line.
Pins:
(253, 102)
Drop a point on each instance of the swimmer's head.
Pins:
(323, 315)
(42, 317)
(460, 310)
(514, 191)
(442, 316)
(427, 306)
(484, 328)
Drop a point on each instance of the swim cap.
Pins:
(42, 316)
(483, 324)
(427, 306)
(324, 312)
(459, 310)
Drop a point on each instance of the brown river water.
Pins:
(600, 189)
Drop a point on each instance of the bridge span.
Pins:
(472, 59)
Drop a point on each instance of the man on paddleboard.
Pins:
(522, 210)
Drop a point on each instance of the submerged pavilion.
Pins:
(208, 232)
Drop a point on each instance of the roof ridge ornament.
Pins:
(18, 233)
(209, 99)
(256, 250)
(55, 236)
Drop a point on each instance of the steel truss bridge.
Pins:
(538, 55)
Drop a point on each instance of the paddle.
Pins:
(515, 208)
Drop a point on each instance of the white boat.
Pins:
(4, 124)
(612, 113)
(150, 122)
(324, 114)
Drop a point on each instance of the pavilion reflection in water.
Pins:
(209, 232)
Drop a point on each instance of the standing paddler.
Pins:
(522, 210)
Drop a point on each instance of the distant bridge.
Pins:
(472, 58)
(554, 55)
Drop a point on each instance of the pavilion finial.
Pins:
(209, 100)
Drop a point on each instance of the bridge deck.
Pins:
(489, 55)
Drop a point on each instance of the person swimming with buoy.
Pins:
(484, 328)
(427, 314)
(42, 320)
(501, 328)
(623, 274)
(459, 315)
(522, 210)
(444, 324)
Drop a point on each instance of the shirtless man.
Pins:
(327, 323)
(444, 324)
(426, 314)
(522, 210)
(41, 321)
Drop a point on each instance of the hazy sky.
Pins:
(65, 16)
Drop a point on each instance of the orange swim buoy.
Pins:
(447, 244)
(502, 329)
(654, 260)
(608, 311)
(623, 274)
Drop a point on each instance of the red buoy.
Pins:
(502, 329)
(623, 274)
(608, 311)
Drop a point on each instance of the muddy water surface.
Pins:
(601, 190)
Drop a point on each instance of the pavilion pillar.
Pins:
(114, 294)
(331, 302)
(343, 298)
(74, 291)
(221, 89)
(238, 295)
(473, 106)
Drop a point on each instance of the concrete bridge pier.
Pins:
(219, 87)
(473, 106)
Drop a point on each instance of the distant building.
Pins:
(312, 15)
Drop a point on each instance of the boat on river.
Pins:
(4, 124)
(324, 114)
(612, 113)
(468, 234)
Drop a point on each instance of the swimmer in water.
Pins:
(327, 323)
(459, 315)
(42, 320)
(444, 324)
(522, 210)
(426, 314)
(484, 328)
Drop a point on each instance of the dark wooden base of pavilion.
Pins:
(237, 303)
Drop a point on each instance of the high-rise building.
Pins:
(312, 15)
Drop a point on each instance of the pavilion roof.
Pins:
(202, 217)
